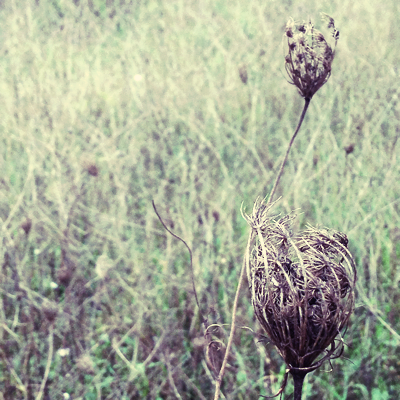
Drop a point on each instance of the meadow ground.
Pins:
(106, 106)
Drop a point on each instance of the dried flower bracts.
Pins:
(309, 58)
(302, 287)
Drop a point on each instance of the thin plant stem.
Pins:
(204, 319)
(298, 380)
(278, 177)
(234, 308)
(233, 324)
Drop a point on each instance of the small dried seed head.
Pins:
(243, 73)
(50, 310)
(64, 276)
(349, 149)
(67, 269)
(309, 58)
(93, 170)
(89, 164)
(26, 226)
(302, 286)
(289, 28)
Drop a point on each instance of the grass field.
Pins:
(106, 106)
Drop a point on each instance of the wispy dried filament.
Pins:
(302, 287)
(309, 58)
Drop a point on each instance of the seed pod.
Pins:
(308, 61)
(302, 287)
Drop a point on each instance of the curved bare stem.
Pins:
(278, 177)
(204, 319)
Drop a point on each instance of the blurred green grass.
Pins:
(106, 106)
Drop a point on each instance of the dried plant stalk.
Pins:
(302, 294)
(302, 287)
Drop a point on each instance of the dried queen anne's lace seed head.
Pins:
(309, 58)
(302, 287)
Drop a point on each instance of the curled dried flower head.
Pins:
(309, 58)
(302, 287)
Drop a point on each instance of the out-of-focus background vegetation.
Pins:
(106, 105)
